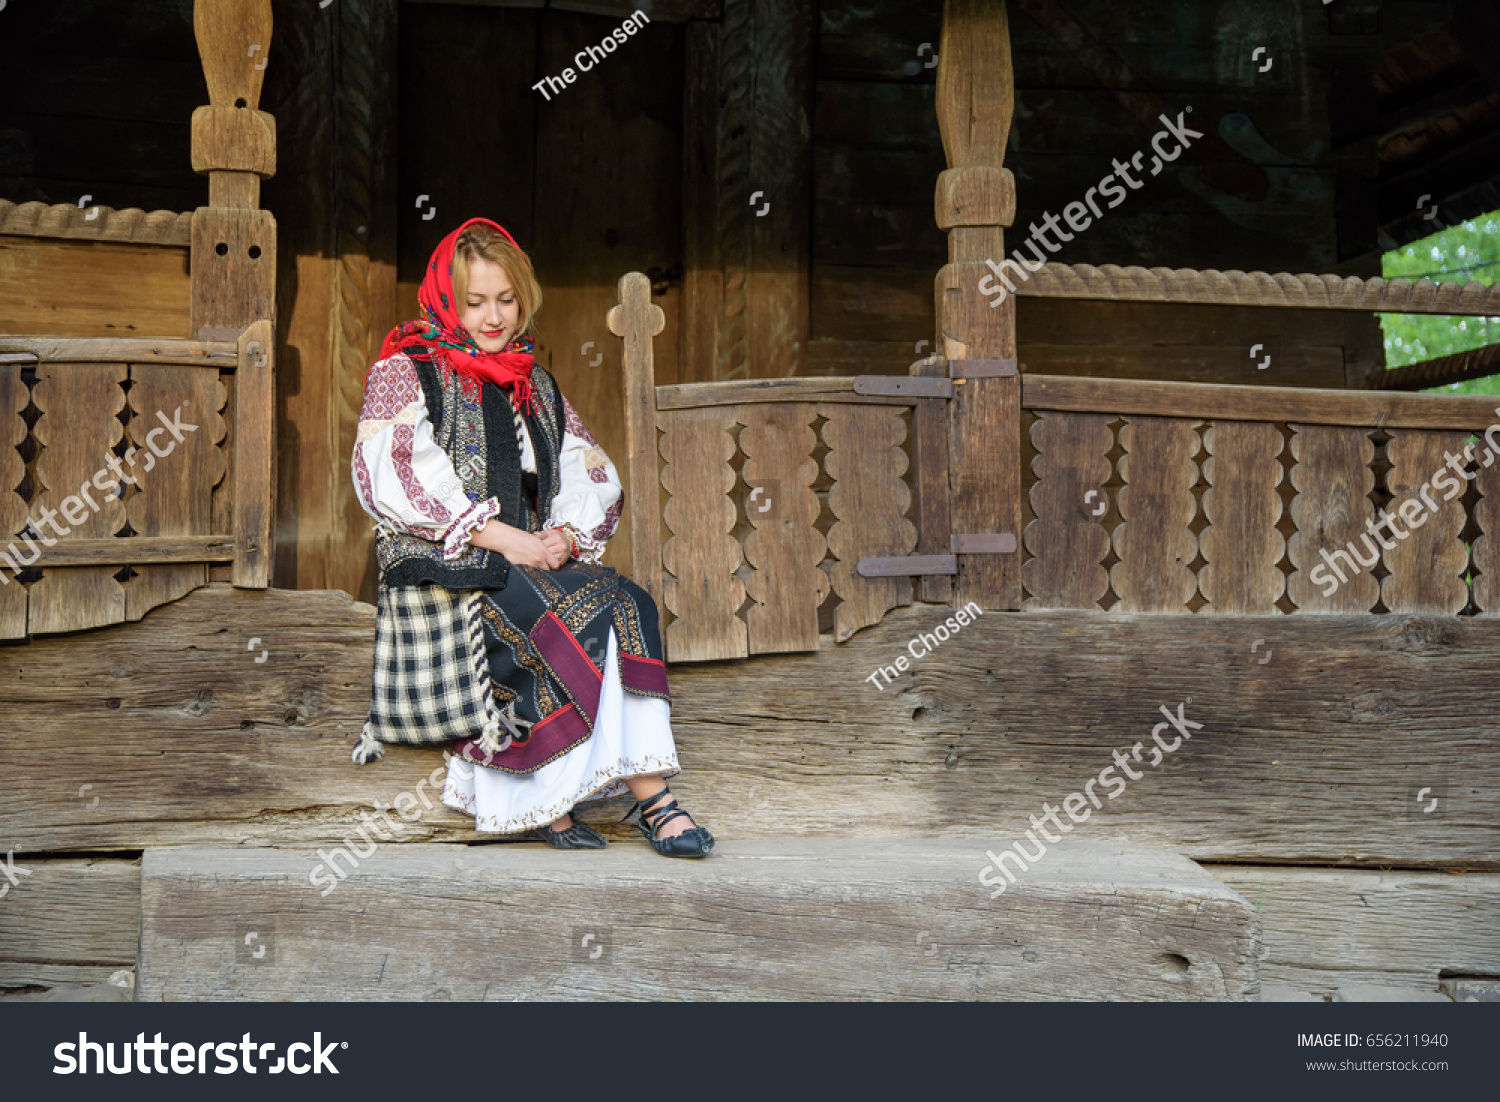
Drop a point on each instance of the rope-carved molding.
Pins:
(132, 226)
(1236, 288)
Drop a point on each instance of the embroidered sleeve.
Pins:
(403, 477)
(589, 497)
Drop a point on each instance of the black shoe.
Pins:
(653, 815)
(577, 836)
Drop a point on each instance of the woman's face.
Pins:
(490, 311)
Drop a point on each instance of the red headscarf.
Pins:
(439, 335)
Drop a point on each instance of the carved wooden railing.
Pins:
(1183, 497)
(145, 462)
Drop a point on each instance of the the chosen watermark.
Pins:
(1076, 213)
(1077, 804)
(1415, 511)
(591, 56)
(928, 641)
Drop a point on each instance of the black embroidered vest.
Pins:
(480, 440)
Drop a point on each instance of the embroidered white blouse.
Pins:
(407, 482)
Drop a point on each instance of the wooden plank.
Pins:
(254, 458)
(703, 593)
(702, 260)
(786, 587)
(1350, 715)
(220, 355)
(1426, 566)
(792, 920)
(14, 511)
(78, 428)
(234, 267)
(1068, 540)
(870, 500)
(1154, 541)
(1485, 553)
(91, 289)
(73, 920)
(932, 506)
(225, 30)
(1333, 480)
(130, 226)
(175, 477)
(636, 320)
(743, 392)
(1242, 547)
(1248, 403)
(1442, 370)
(1325, 929)
(136, 550)
(1234, 287)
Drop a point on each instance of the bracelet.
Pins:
(572, 534)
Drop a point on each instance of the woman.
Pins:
(496, 628)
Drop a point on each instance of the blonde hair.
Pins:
(484, 243)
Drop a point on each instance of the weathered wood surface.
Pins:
(1327, 930)
(1318, 292)
(786, 588)
(742, 392)
(1241, 547)
(1331, 724)
(636, 320)
(253, 466)
(218, 355)
(1375, 409)
(92, 289)
(932, 503)
(77, 429)
(788, 920)
(132, 226)
(1154, 540)
(1427, 566)
(1486, 550)
(1333, 480)
(869, 500)
(1068, 541)
(14, 398)
(702, 556)
(70, 921)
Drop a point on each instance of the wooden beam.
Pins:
(1338, 730)
(1327, 930)
(733, 393)
(131, 226)
(93, 289)
(1236, 288)
(1206, 401)
(1457, 368)
(136, 550)
(72, 921)
(795, 919)
(220, 355)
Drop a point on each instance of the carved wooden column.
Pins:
(976, 198)
(233, 257)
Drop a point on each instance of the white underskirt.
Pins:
(632, 737)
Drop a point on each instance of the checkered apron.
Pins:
(431, 680)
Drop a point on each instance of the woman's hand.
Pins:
(557, 541)
(520, 548)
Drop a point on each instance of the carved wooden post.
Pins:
(637, 319)
(234, 250)
(975, 198)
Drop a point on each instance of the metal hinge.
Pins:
(977, 543)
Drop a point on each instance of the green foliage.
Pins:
(1462, 253)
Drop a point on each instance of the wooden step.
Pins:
(183, 736)
(792, 919)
